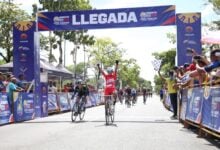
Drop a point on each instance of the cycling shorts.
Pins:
(109, 91)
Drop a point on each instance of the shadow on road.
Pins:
(131, 121)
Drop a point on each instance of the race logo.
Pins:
(23, 36)
(189, 17)
(148, 16)
(61, 20)
(189, 29)
(23, 25)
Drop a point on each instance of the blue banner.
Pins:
(107, 18)
(194, 105)
(18, 107)
(44, 99)
(23, 52)
(63, 101)
(5, 113)
(188, 36)
(23, 106)
(184, 100)
(52, 102)
(211, 109)
(28, 106)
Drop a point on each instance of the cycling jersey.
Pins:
(84, 91)
(110, 83)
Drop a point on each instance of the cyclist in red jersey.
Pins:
(110, 80)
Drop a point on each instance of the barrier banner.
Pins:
(107, 18)
(5, 112)
(44, 99)
(188, 36)
(52, 102)
(167, 102)
(63, 101)
(194, 104)
(23, 106)
(93, 98)
(184, 100)
(18, 107)
(28, 106)
(211, 109)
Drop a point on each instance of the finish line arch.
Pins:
(26, 40)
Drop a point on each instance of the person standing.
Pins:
(172, 91)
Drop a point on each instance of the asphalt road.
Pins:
(141, 127)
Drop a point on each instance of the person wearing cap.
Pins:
(172, 90)
(12, 87)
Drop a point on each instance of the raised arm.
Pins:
(161, 76)
(100, 70)
(116, 65)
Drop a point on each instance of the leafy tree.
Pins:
(66, 5)
(216, 5)
(9, 13)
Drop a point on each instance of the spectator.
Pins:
(21, 81)
(12, 87)
(2, 86)
(172, 90)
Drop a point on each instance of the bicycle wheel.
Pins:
(82, 110)
(74, 113)
(107, 112)
(112, 110)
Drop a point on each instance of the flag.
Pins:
(156, 64)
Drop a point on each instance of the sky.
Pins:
(139, 42)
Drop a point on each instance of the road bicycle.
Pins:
(79, 109)
(109, 110)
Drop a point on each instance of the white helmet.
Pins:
(109, 70)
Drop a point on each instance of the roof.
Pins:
(52, 70)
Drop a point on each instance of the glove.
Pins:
(117, 62)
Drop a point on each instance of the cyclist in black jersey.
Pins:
(81, 90)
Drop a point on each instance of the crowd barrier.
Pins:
(200, 107)
(24, 108)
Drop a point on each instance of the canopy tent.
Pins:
(211, 37)
(53, 71)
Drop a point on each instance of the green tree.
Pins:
(216, 5)
(66, 5)
(9, 13)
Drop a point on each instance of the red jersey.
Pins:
(110, 83)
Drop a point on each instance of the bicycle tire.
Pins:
(112, 115)
(106, 112)
(73, 116)
(82, 111)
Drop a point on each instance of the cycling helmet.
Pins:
(109, 70)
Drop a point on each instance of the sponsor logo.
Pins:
(23, 48)
(189, 29)
(61, 20)
(23, 36)
(189, 42)
(148, 16)
(23, 57)
(104, 18)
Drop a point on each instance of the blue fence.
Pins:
(201, 105)
(24, 105)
